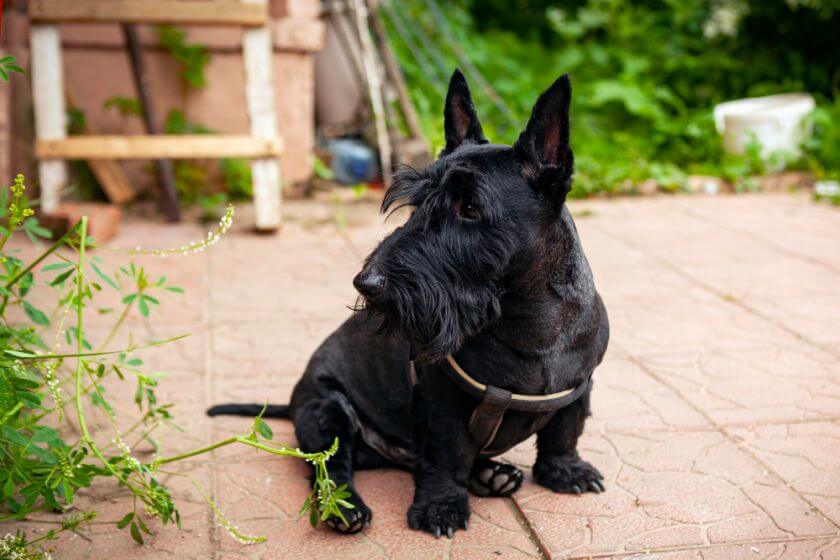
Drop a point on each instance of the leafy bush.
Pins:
(646, 73)
(44, 458)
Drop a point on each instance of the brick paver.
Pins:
(716, 412)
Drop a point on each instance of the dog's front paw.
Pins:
(569, 474)
(357, 517)
(441, 516)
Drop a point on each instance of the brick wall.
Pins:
(96, 67)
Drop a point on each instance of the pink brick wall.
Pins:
(96, 68)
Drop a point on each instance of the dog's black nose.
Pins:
(370, 283)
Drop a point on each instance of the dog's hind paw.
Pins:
(439, 517)
(568, 474)
(491, 478)
(357, 518)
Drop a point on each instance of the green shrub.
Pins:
(43, 462)
(646, 74)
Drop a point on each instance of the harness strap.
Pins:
(522, 403)
(494, 402)
(488, 416)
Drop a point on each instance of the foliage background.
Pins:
(646, 74)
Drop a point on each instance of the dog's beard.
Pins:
(436, 318)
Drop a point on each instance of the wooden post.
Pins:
(374, 83)
(258, 54)
(166, 170)
(50, 116)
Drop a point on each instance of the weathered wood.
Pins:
(166, 170)
(108, 173)
(175, 146)
(194, 12)
(392, 69)
(374, 83)
(114, 182)
(50, 117)
(259, 92)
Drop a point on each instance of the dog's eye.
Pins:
(469, 212)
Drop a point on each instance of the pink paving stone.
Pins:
(753, 385)
(715, 413)
(668, 490)
(806, 456)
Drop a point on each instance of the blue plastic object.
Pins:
(353, 161)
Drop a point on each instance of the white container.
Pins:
(777, 121)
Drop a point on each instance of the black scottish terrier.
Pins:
(493, 328)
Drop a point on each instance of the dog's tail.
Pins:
(236, 409)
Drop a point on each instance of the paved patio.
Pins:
(716, 412)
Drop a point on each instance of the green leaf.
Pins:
(313, 516)
(8, 488)
(303, 509)
(56, 266)
(135, 533)
(263, 429)
(19, 354)
(62, 277)
(123, 523)
(143, 525)
(104, 277)
(36, 315)
(175, 289)
(68, 491)
(32, 227)
(144, 307)
(14, 436)
(129, 298)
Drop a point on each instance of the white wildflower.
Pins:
(194, 246)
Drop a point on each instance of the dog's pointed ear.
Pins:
(543, 146)
(460, 122)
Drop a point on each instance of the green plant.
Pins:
(125, 106)
(646, 75)
(192, 58)
(7, 66)
(43, 462)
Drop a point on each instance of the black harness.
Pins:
(494, 401)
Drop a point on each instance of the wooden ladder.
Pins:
(263, 146)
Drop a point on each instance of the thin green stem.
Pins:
(283, 451)
(80, 413)
(117, 325)
(25, 356)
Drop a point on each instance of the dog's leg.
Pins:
(317, 424)
(558, 465)
(492, 478)
(444, 455)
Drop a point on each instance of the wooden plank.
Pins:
(110, 175)
(194, 12)
(50, 115)
(374, 83)
(166, 169)
(113, 180)
(258, 57)
(175, 146)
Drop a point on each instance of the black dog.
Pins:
(487, 290)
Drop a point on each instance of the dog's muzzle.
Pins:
(370, 283)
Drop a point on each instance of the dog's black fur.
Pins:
(489, 268)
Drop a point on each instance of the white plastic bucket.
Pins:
(777, 121)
